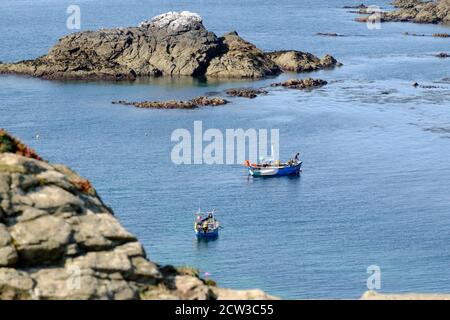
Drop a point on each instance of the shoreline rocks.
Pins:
(301, 83)
(194, 103)
(60, 241)
(250, 93)
(329, 34)
(418, 11)
(171, 44)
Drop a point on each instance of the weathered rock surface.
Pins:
(200, 101)
(301, 83)
(171, 44)
(239, 58)
(297, 61)
(58, 240)
(418, 11)
(245, 92)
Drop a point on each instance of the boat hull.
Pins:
(207, 235)
(275, 171)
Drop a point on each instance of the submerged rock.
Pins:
(171, 44)
(297, 61)
(329, 34)
(360, 6)
(301, 83)
(245, 92)
(176, 104)
(60, 241)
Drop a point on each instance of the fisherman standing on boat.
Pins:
(297, 157)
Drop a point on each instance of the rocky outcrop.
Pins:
(171, 44)
(200, 101)
(418, 11)
(301, 83)
(245, 92)
(239, 58)
(58, 240)
(297, 61)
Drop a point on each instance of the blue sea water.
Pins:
(376, 179)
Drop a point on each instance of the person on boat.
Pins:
(297, 157)
(205, 226)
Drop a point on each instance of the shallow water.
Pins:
(374, 190)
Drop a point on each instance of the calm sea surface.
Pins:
(376, 151)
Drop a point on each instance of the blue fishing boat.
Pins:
(275, 168)
(206, 225)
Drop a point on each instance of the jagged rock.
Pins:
(15, 284)
(176, 104)
(171, 44)
(59, 241)
(298, 61)
(208, 101)
(301, 83)
(245, 92)
(415, 11)
(241, 59)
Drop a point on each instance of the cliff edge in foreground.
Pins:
(58, 240)
(171, 44)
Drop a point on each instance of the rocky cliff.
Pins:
(58, 240)
(174, 43)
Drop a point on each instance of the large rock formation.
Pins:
(169, 44)
(239, 58)
(58, 240)
(418, 11)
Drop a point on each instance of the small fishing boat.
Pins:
(275, 168)
(206, 226)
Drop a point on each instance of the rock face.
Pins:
(298, 61)
(58, 240)
(239, 58)
(418, 11)
(171, 44)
